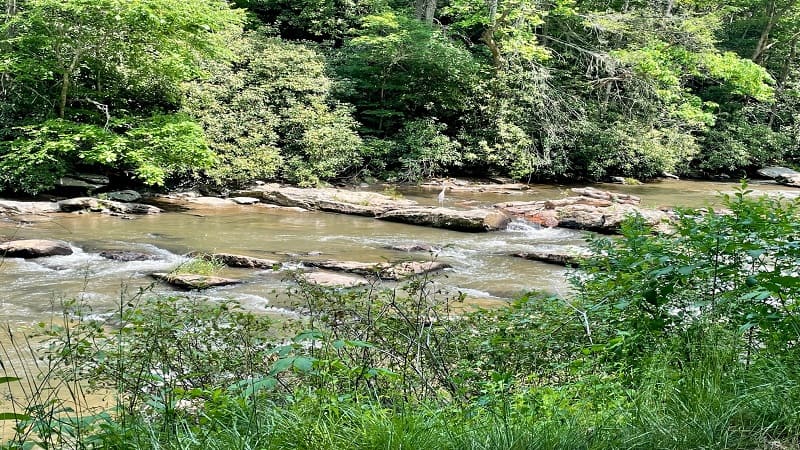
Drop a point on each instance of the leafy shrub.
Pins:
(426, 152)
(153, 149)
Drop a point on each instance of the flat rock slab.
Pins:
(127, 256)
(562, 255)
(34, 248)
(98, 205)
(782, 175)
(242, 261)
(340, 201)
(384, 271)
(126, 196)
(473, 220)
(11, 207)
(193, 281)
(331, 279)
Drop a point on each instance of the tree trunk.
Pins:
(787, 66)
(668, 10)
(425, 10)
(62, 101)
(761, 45)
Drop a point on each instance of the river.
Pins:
(30, 290)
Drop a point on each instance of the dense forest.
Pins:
(165, 91)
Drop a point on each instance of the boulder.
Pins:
(331, 279)
(193, 281)
(562, 255)
(782, 175)
(34, 248)
(74, 185)
(384, 271)
(97, 205)
(473, 220)
(127, 255)
(231, 260)
(126, 196)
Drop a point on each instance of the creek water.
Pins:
(30, 290)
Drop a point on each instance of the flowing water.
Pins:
(481, 268)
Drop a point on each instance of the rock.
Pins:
(127, 255)
(231, 260)
(98, 205)
(13, 207)
(592, 210)
(211, 201)
(782, 175)
(34, 248)
(194, 281)
(245, 200)
(126, 196)
(618, 180)
(92, 178)
(563, 255)
(413, 248)
(778, 172)
(75, 185)
(326, 199)
(330, 279)
(384, 271)
(670, 176)
(411, 268)
(474, 220)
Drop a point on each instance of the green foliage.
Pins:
(152, 149)
(731, 271)
(426, 151)
(270, 114)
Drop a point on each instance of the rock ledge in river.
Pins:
(384, 271)
(193, 281)
(34, 248)
(231, 260)
(782, 175)
(562, 255)
(98, 205)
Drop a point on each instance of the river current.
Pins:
(30, 290)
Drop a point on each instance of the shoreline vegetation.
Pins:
(680, 340)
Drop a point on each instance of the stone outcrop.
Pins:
(340, 201)
(232, 260)
(471, 220)
(591, 210)
(562, 255)
(192, 281)
(384, 271)
(106, 206)
(782, 175)
(34, 248)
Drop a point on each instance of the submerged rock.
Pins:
(194, 281)
(34, 248)
(413, 247)
(127, 255)
(563, 255)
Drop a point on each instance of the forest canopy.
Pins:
(310, 91)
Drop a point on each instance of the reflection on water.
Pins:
(481, 267)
